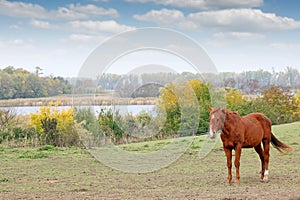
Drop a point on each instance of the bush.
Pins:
(276, 103)
(109, 122)
(55, 126)
(86, 118)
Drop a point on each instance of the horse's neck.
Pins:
(230, 121)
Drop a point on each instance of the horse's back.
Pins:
(258, 127)
(261, 118)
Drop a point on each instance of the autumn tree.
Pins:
(281, 102)
(234, 99)
(178, 98)
(297, 101)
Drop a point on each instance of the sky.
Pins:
(58, 36)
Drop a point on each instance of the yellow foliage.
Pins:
(64, 118)
(233, 97)
(186, 93)
(297, 101)
(168, 100)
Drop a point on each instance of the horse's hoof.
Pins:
(265, 180)
(228, 183)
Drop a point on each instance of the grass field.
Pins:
(72, 173)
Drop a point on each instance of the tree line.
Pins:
(248, 82)
(20, 83)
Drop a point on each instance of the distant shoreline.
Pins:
(82, 100)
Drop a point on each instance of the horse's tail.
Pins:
(280, 146)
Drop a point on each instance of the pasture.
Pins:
(72, 173)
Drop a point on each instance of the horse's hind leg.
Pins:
(266, 144)
(260, 152)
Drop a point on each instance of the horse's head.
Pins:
(216, 120)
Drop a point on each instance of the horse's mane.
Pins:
(231, 112)
(232, 115)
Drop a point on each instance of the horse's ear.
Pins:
(210, 109)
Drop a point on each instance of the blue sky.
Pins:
(237, 35)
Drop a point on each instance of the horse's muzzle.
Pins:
(212, 134)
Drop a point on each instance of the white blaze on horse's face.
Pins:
(216, 121)
(212, 132)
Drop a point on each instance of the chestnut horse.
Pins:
(244, 132)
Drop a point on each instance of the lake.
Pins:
(123, 109)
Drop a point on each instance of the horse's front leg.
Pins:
(238, 151)
(228, 153)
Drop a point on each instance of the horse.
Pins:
(239, 132)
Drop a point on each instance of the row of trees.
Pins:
(20, 83)
(255, 82)
(248, 82)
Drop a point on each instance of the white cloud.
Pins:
(20, 9)
(94, 10)
(234, 20)
(166, 17)
(94, 27)
(86, 38)
(71, 12)
(243, 20)
(40, 24)
(238, 35)
(16, 43)
(162, 16)
(222, 39)
(73, 18)
(205, 4)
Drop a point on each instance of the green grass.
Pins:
(4, 180)
(47, 148)
(33, 155)
(72, 173)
